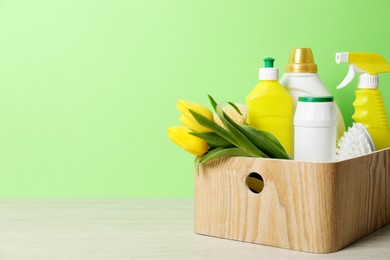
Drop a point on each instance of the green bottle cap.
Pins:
(316, 99)
(269, 62)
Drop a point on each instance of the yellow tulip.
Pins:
(180, 136)
(188, 120)
(193, 124)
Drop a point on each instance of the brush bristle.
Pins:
(355, 142)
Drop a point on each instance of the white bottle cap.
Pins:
(268, 74)
(368, 81)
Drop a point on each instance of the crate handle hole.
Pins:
(254, 182)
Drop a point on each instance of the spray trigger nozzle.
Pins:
(350, 75)
(367, 64)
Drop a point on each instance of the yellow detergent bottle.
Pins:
(369, 107)
(270, 106)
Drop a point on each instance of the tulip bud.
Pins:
(180, 136)
(188, 120)
(193, 124)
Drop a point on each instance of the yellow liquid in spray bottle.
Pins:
(369, 106)
(370, 111)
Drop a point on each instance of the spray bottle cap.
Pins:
(301, 61)
(368, 81)
(268, 72)
(367, 64)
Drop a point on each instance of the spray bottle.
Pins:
(270, 106)
(369, 107)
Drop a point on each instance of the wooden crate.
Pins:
(313, 207)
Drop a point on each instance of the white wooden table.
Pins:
(135, 229)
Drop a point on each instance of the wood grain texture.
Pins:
(388, 186)
(314, 207)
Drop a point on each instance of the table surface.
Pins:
(136, 229)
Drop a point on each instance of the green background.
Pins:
(88, 88)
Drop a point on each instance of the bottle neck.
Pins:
(268, 74)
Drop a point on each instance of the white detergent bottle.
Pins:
(301, 79)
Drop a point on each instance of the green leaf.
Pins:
(213, 139)
(213, 103)
(276, 144)
(265, 141)
(223, 152)
(235, 107)
(248, 141)
(197, 162)
(241, 140)
(204, 121)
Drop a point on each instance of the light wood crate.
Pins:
(313, 207)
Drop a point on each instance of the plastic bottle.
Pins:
(315, 129)
(270, 106)
(301, 79)
(369, 107)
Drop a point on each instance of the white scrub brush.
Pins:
(355, 142)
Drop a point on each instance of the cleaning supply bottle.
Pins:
(315, 129)
(301, 79)
(369, 107)
(270, 106)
